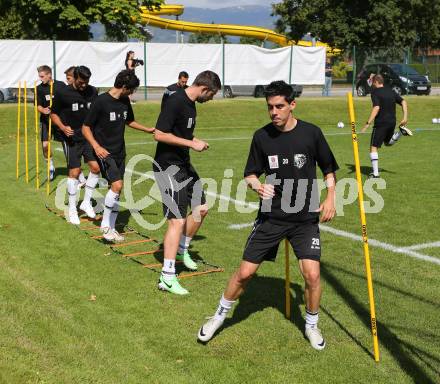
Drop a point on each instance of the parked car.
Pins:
(6, 94)
(254, 90)
(402, 78)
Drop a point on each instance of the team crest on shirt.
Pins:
(299, 160)
(47, 97)
(112, 116)
(75, 107)
(273, 161)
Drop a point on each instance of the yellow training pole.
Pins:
(26, 157)
(364, 226)
(287, 280)
(48, 144)
(18, 130)
(37, 176)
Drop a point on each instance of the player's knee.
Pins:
(94, 168)
(244, 276)
(312, 278)
(203, 209)
(176, 223)
(117, 186)
(74, 173)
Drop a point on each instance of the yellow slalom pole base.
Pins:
(287, 279)
(363, 226)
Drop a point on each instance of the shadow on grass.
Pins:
(366, 170)
(267, 292)
(388, 339)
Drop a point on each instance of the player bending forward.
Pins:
(104, 129)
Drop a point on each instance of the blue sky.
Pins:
(220, 4)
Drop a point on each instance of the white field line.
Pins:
(375, 243)
(435, 244)
(348, 235)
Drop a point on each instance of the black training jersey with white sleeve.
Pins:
(169, 91)
(43, 96)
(178, 117)
(288, 160)
(107, 119)
(386, 99)
(72, 107)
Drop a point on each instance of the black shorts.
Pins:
(179, 190)
(381, 134)
(74, 150)
(112, 168)
(56, 134)
(262, 243)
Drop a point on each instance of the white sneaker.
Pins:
(117, 235)
(206, 332)
(73, 218)
(405, 130)
(108, 234)
(315, 337)
(88, 209)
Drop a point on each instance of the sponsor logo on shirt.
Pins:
(47, 97)
(75, 107)
(190, 122)
(125, 115)
(299, 160)
(273, 162)
(112, 116)
(88, 105)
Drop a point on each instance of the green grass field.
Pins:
(51, 332)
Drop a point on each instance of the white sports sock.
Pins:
(311, 319)
(396, 136)
(374, 156)
(184, 244)
(223, 308)
(110, 200)
(114, 215)
(168, 269)
(82, 178)
(91, 182)
(51, 164)
(72, 189)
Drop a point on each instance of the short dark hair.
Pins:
(127, 79)
(82, 71)
(69, 71)
(44, 68)
(279, 88)
(378, 78)
(208, 79)
(183, 74)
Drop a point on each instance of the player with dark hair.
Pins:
(286, 151)
(177, 179)
(384, 115)
(182, 83)
(104, 129)
(43, 103)
(70, 108)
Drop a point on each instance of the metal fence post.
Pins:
(145, 71)
(223, 67)
(354, 70)
(54, 59)
(290, 65)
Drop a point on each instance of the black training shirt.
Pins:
(43, 96)
(291, 158)
(107, 118)
(386, 99)
(178, 116)
(169, 91)
(72, 107)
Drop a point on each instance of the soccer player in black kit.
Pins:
(104, 129)
(286, 151)
(43, 103)
(182, 83)
(177, 179)
(70, 108)
(384, 115)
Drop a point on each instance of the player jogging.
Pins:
(384, 115)
(70, 108)
(177, 179)
(286, 151)
(104, 129)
